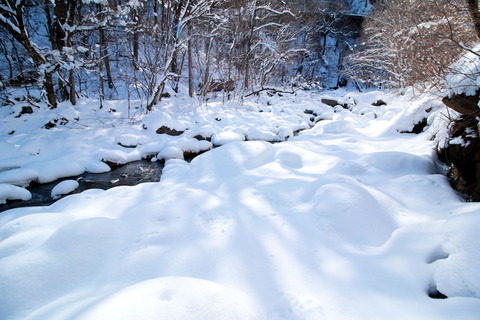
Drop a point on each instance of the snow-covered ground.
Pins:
(351, 219)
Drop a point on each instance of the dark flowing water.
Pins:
(129, 174)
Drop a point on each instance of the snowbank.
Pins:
(351, 219)
(458, 274)
(174, 298)
(464, 77)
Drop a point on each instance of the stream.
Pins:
(129, 174)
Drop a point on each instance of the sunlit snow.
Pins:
(350, 219)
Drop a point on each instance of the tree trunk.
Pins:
(206, 77)
(475, 14)
(177, 28)
(50, 89)
(156, 95)
(136, 20)
(104, 51)
(249, 47)
(190, 64)
(73, 91)
(105, 57)
(48, 16)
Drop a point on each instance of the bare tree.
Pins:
(410, 42)
(183, 12)
(12, 19)
(474, 9)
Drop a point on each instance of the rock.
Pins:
(334, 103)
(379, 103)
(462, 103)
(167, 130)
(200, 137)
(53, 123)
(25, 110)
(418, 127)
(330, 102)
(463, 156)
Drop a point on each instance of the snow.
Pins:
(457, 275)
(350, 219)
(10, 192)
(464, 74)
(225, 137)
(176, 298)
(64, 187)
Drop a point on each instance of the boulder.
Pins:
(462, 103)
(463, 156)
(334, 103)
(379, 103)
(167, 130)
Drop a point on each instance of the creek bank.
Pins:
(129, 174)
(132, 173)
(150, 168)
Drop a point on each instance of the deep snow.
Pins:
(351, 219)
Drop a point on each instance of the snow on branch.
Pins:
(268, 25)
(276, 11)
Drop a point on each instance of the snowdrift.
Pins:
(351, 219)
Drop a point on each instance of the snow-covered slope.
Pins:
(349, 220)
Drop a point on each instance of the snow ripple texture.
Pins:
(348, 220)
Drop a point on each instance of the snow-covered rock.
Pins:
(225, 137)
(63, 188)
(11, 192)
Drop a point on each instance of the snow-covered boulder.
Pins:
(63, 188)
(225, 137)
(11, 192)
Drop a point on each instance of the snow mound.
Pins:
(459, 274)
(160, 119)
(221, 138)
(353, 212)
(66, 260)
(51, 171)
(232, 159)
(174, 298)
(129, 139)
(191, 145)
(289, 159)
(115, 156)
(10, 192)
(170, 153)
(18, 176)
(96, 166)
(64, 187)
(399, 163)
(258, 134)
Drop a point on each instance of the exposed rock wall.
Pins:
(463, 151)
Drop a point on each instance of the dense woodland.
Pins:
(145, 49)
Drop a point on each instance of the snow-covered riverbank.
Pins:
(349, 220)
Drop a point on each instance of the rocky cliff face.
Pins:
(463, 151)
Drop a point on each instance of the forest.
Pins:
(119, 49)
